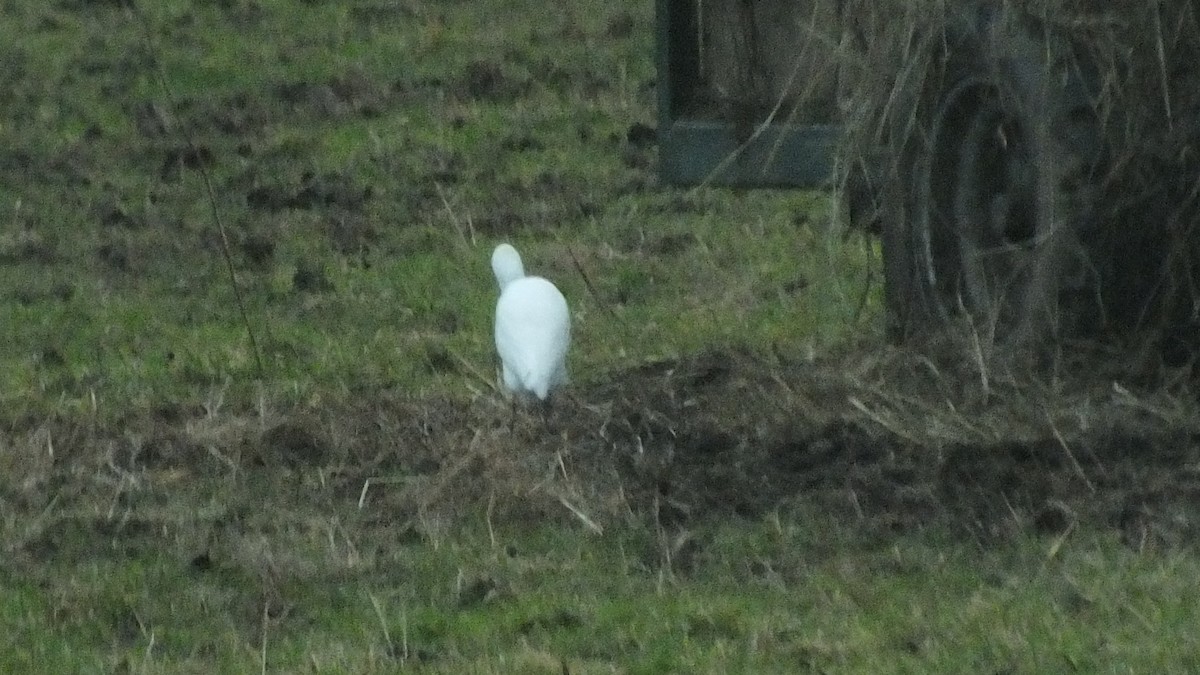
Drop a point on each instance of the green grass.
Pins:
(149, 296)
(755, 598)
(143, 536)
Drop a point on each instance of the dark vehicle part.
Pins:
(739, 104)
(1030, 166)
(990, 204)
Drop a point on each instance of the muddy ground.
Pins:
(672, 445)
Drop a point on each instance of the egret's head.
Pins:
(506, 264)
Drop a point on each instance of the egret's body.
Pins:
(533, 328)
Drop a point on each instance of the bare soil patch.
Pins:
(672, 444)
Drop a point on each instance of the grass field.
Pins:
(742, 477)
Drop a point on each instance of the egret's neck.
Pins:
(506, 264)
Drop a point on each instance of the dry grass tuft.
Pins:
(1144, 196)
(883, 437)
(880, 67)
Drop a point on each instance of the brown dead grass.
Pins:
(882, 438)
(875, 68)
(1146, 101)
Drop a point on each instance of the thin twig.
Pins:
(1070, 455)
(491, 506)
(587, 281)
(462, 233)
(265, 622)
(161, 76)
(473, 371)
(880, 420)
(1161, 51)
(387, 635)
(583, 517)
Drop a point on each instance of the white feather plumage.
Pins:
(533, 328)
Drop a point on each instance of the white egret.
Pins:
(533, 328)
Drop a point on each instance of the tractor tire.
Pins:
(990, 208)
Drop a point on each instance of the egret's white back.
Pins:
(533, 328)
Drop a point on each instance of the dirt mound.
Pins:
(887, 442)
(727, 434)
(879, 441)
